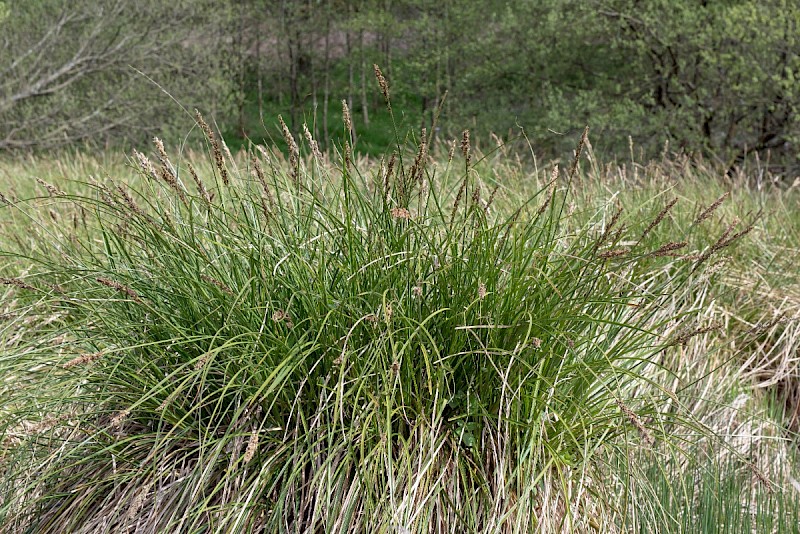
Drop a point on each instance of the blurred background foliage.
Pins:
(711, 78)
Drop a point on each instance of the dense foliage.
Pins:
(711, 78)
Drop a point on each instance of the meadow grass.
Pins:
(425, 342)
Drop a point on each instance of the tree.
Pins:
(718, 77)
(95, 69)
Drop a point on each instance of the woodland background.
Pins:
(711, 78)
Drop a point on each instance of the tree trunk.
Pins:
(312, 70)
(327, 75)
(364, 103)
(349, 50)
(241, 71)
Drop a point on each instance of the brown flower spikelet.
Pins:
(252, 447)
(220, 161)
(706, 213)
(663, 213)
(465, 146)
(401, 213)
(83, 359)
(382, 83)
(16, 282)
(51, 189)
(669, 248)
(121, 288)
(634, 419)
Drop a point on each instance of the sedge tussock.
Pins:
(394, 365)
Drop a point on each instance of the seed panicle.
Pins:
(252, 447)
(706, 213)
(465, 146)
(668, 249)
(655, 222)
(573, 169)
(217, 283)
(382, 83)
(634, 419)
(16, 282)
(199, 183)
(313, 145)
(51, 189)
(215, 148)
(121, 288)
(83, 359)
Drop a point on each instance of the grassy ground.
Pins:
(426, 343)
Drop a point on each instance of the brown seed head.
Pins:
(16, 282)
(382, 83)
(51, 189)
(163, 158)
(312, 143)
(491, 198)
(616, 253)
(706, 213)
(83, 359)
(418, 167)
(128, 199)
(348, 155)
(465, 146)
(201, 361)
(663, 213)
(121, 288)
(459, 196)
(120, 418)
(634, 419)
(668, 248)
(220, 161)
(578, 152)
(199, 183)
(294, 150)
(145, 164)
(476, 195)
(170, 179)
(252, 447)
(220, 285)
(401, 213)
(551, 190)
(482, 291)
(348, 121)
